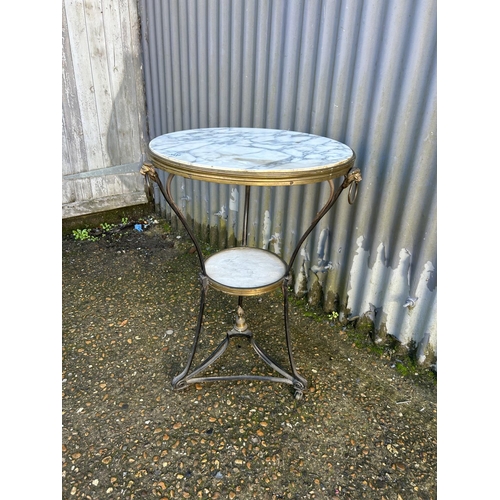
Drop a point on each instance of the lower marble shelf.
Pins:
(245, 271)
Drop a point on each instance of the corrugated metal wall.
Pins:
(362, 72)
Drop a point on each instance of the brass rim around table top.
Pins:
(249, 177)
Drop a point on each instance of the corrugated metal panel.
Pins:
(103, 106)
(362, 72)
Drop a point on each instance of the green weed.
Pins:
(83, 235)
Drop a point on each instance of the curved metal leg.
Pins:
(272, 363)
(300, 383)
(354, 175)
(180, 381)
(352, 179)
(214, 356)
(150, 173)
(240, 328)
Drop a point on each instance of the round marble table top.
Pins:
(251, 156)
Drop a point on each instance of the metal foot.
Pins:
(239, 330)
(180, 385)
(298, 395)
(299, 389)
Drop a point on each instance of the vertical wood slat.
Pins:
(84, 83)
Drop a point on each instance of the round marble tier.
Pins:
(245, 271)
(251, 156)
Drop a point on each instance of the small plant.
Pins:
(405, 368)
(124, 220)
(333, 315)
(106, 227)
(83, 234)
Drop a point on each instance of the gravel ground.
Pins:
(366, 428)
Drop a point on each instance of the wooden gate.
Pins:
(103, 106)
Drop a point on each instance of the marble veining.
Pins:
(245, 267)
(250, 149)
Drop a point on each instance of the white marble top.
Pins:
(264, 156)
(245, 268)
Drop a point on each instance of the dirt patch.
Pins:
(366, 428)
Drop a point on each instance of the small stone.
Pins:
(106, 460)
(73, 490)
(95, 482)
(177, 425)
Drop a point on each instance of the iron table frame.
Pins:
(352, 177)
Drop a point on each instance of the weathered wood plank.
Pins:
(84, 82)
(123, 142)
(97, 48)
(108, 192)
(103, 204)
(74, 153)
(134, 78)
(67, 193)
(117, 141)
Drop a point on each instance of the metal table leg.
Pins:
(240, 328)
